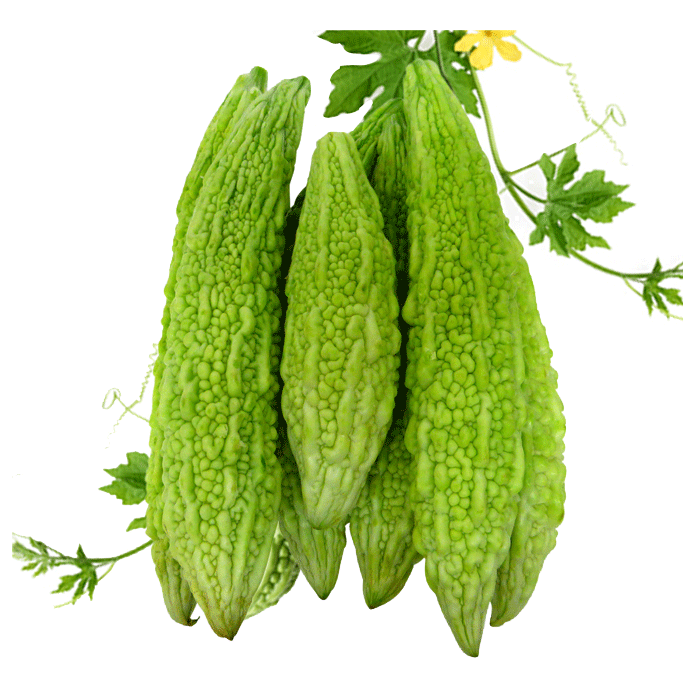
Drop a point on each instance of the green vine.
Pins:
(653, 294)
(41, 558)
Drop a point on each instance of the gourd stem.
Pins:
(439, 57)
(489, 127)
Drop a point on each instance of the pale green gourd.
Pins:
(221, 477)
(340, 357)
(465, 395)
(381, 523)
(178, 598)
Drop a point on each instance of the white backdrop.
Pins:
(105, 106)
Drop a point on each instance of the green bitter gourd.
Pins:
(280, 575)
(319, 550)
(340, 358)
(381, 523)
(466, 403)
(176, 593)
(541, 501)
(221, 476)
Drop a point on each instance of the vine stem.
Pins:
(441, 66)
(513, 188)
(106, 560)
(624, 275)
(100, 561)
(511, 185)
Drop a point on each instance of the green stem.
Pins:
(60, 559)
(513, 188)
(528, 194)
(439, 57)
(505, 175)
(489, 126)
(106, 560)
(536, 162)
(638, 276)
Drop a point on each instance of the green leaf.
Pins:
(673, 296)
(593, 198)
(67, 583)
(567, 167)
(590, 197)
(547, 166)
(459, 77)
(654, 295)
(353, 84)
(137, 523)
(41, 560)
(129, 483)
(577, 237)
(549, 227)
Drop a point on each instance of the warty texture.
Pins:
(340, 358)
(280, 575)
(541, 501)
(221, 477)
(465, 401)
(381, 523)
(178, 598)
(317, 551)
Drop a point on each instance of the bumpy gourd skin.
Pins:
(340, 358)
(541, 502)
(317, 551)
(381, 523)
(178, 598)
(216, 409)
(466, 404)
(280, 575)
(368, 132)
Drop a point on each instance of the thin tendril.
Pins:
(114, 395)
(609, 110)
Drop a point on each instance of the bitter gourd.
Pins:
(381, 523)
(220, 473)
(317, 551)
(541, 501)
(340, 358)
(178, 599)
(280, 575)
(367, 133)
(466, 403)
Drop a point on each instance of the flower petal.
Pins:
(508, 51)
(500, 33)
(482, 56)
(467, 41)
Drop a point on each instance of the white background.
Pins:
(104, 107)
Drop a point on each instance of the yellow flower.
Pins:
(482, 56)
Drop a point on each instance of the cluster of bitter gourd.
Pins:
(371, 356)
